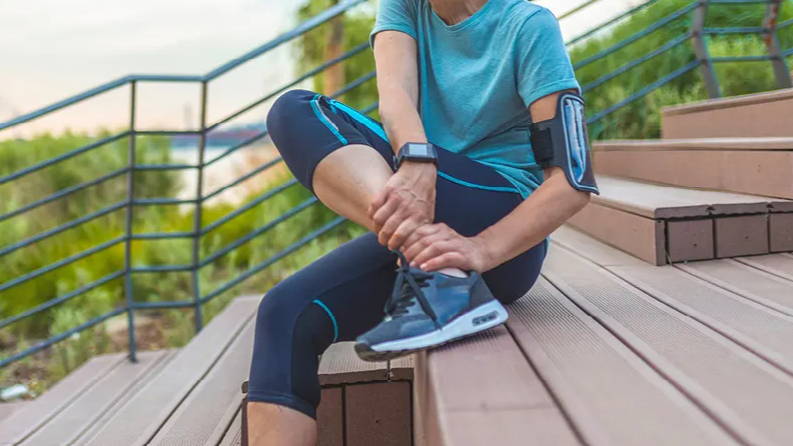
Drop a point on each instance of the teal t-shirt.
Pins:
(478, 77)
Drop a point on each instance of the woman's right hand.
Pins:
(406, 202)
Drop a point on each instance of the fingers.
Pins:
(420, 246)
(435, 249)
(416, 236)
(447, 260)
(378, 202)
(406, 228)
(385, 212)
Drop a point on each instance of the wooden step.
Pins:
(761, 166)
(482, 391)
(142, 416)
(362, 402)
(662, 224)
(6, 409)
(761, 114)
(22, 423)
(711, 344)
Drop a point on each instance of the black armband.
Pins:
(564, 142)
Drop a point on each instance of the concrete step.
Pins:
(665, 224)
(760, 166)
(760, 114)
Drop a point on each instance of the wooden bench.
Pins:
(760, 114)
(662, 224)
(760, 166)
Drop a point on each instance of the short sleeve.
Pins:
(543, 63)
(395, 15)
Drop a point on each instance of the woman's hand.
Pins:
(405, 203)
(437, 246)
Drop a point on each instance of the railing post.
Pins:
(781, 71)
(700, 14)
(199, 197)
(128, 287)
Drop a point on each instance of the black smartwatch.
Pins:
(417, 151)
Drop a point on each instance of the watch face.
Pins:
(418, 150)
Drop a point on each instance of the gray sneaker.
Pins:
(427, 310)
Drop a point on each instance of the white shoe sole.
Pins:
(479, 319)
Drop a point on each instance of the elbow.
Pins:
(579, 199)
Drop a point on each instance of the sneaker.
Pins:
(428, 309)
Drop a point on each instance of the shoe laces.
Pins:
(408, 286)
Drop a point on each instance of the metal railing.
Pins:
(696, 12)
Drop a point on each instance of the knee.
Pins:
(286, 108)
(275, 309)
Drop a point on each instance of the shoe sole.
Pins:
(479, 319)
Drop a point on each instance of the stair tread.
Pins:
(27, 419)
(662, 201)
(721, 143)
(117, 385)
(747, 99)
(736, 384)
(142, 416)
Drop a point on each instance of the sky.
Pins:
(52, 49)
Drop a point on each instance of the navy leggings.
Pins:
(341, 295)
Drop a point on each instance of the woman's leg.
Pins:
(336, 298)
(330, 153)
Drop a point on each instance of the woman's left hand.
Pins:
(436, 246)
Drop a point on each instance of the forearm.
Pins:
(398, 111)
(553, 203)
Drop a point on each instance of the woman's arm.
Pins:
(398, 87)
(437, 246)
(408, 199)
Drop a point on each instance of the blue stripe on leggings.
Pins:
(378, 130)
(324, 119)
(477, 186)
(331, 316)
(363, 119)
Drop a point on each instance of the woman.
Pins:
(465, 217)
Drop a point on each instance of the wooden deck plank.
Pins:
(195, 422)
(589, 372)
(25, 421)
(509, 407)
(83, 412)
(7, 408)
(718, 302)
(233, 436)
(138, 421)
(751, 283)
(780, 265)
(780, 232)
(743, 235)
(378, 413)
(330, 417)
(642, 237)
(341, 365)
(743, 393)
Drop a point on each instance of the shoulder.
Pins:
(526, 15)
